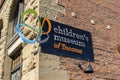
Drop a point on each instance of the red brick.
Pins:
(104, 12)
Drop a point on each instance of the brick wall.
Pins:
(29, 60)
(105, 13)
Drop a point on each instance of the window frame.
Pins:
(17, 17)
(18, 67)
(14, 40)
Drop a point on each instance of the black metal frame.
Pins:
(19, 67)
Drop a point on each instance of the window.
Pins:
(16, 66)
(16, 18)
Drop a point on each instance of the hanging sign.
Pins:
(64, 40)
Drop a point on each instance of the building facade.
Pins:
(22, 61)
